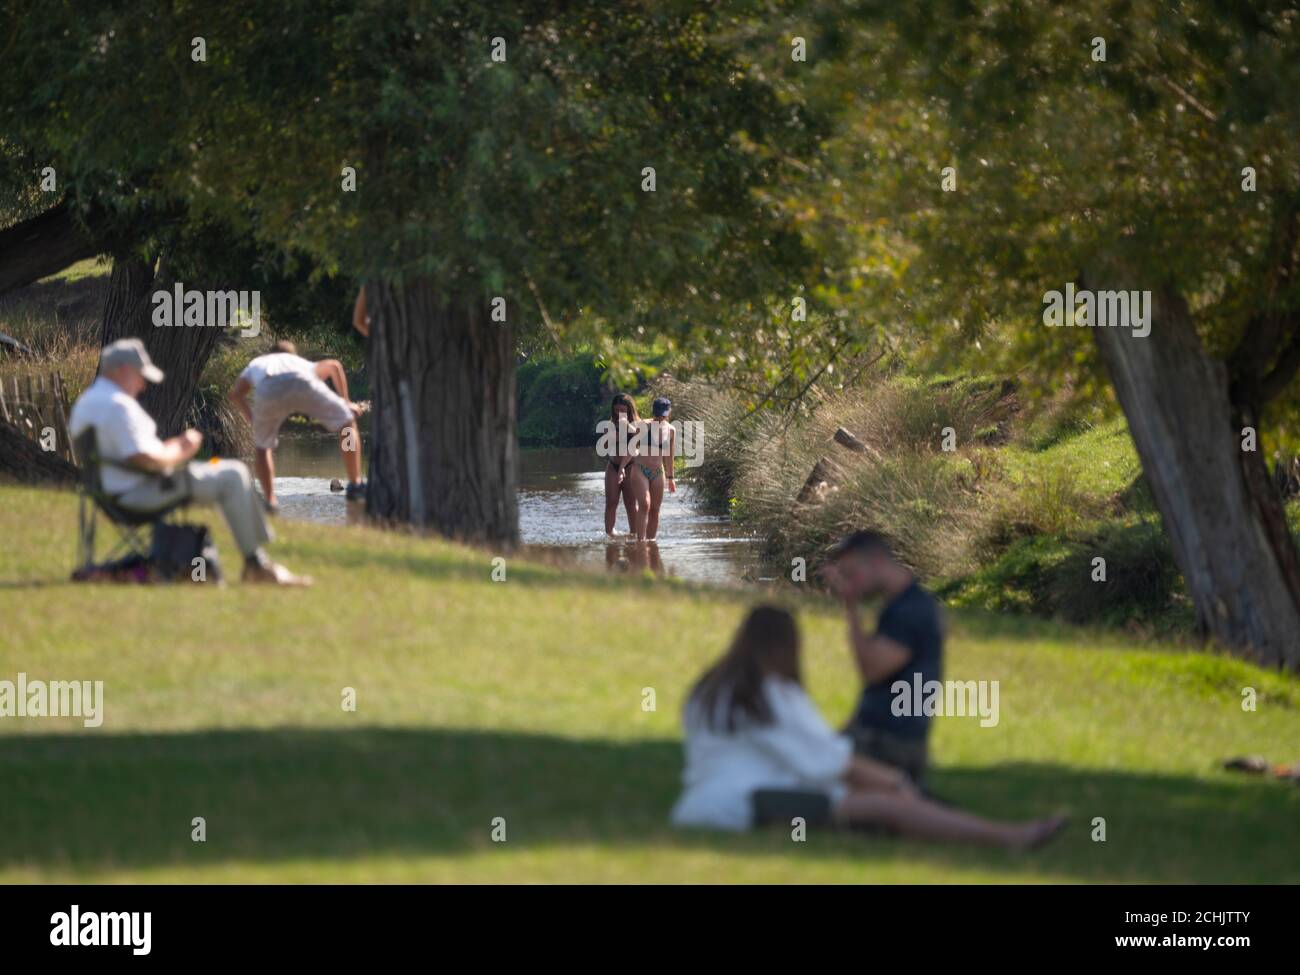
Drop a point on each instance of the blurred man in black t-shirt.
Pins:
(907, 646)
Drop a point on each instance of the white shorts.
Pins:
(276, 398)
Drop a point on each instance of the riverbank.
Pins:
(996, 506)
(523, 700)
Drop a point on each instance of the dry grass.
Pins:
(928, 500)
(60, 320)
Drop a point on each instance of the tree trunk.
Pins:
(26, 462)
(45, 245)
(179, 351)
(1224, 521)
(443, 450)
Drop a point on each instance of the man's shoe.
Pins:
(273, 573)
(356, 491)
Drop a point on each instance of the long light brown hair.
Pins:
(767, 644)
(622, 399)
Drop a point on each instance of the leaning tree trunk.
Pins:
(46, 244)
(443, 451)
(1225, 525)
(25, 461)
(179, 351)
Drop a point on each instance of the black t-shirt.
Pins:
(912, 620)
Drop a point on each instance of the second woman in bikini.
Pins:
(618, 478)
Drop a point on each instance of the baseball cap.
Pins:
(130, 352)
(661, 406)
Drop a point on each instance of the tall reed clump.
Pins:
(726, 430)
(924, 498)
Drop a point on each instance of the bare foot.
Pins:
(1040, 832)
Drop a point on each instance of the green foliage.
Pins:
(1098, 155)
(1052, 575)
(1063, 164)
(561, 399)
(519, 178)
(1064, 488)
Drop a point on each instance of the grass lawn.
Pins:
(523, 700)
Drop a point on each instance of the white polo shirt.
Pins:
(122, 429)
(277, 364)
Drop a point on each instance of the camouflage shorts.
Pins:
(908, 755)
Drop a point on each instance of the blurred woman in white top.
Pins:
(758, 753)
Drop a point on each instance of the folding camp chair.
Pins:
(131, 525)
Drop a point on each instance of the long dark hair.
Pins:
(767, 644)
(622, 399)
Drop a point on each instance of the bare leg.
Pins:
(351, 458)
(641, 492)
(630, 500)
(612, 490)
(264, 467)
(912, 815)
(656, 488)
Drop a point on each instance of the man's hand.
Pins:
(191, 440)
(176, 450)
(839, 586)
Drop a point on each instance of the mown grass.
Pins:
(523, 700)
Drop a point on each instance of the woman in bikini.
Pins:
(653, 467)
(618, 480)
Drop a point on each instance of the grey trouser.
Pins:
(908, 755)
(225, 484)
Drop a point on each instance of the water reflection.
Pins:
(561, 514)
(629, 556)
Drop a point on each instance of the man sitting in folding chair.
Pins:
(144, 474)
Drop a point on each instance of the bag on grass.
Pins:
(184, 553)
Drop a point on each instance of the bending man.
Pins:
(283, 383)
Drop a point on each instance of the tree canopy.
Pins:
(519, 177)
